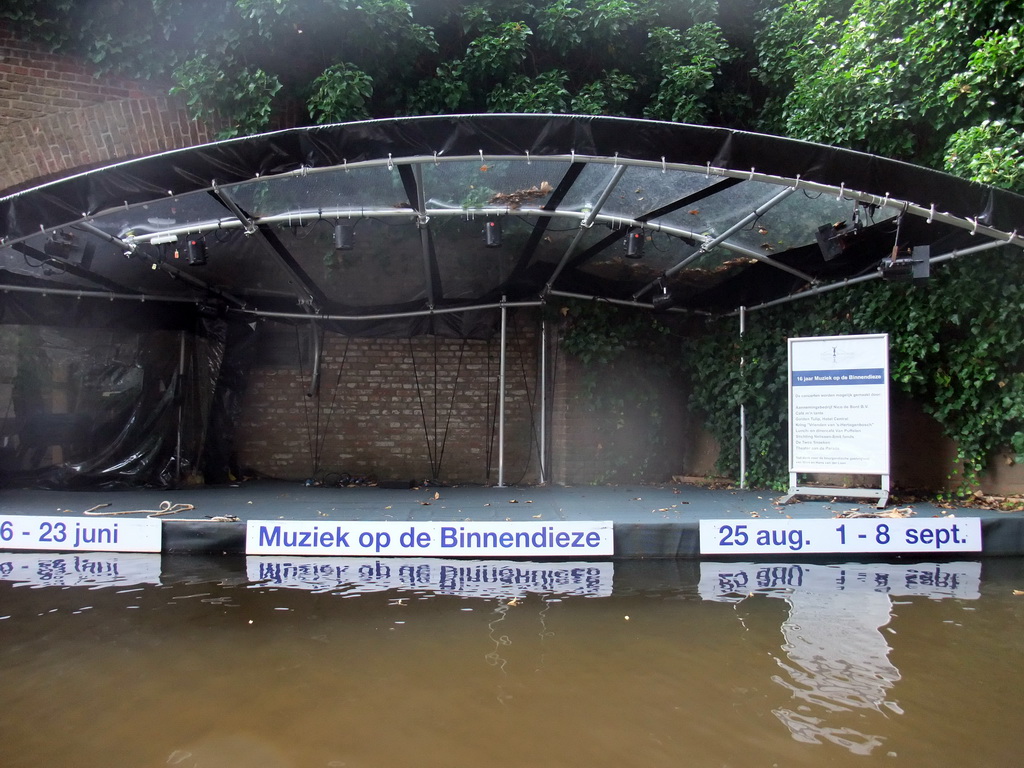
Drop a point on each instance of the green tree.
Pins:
(987, 100)
(937, 82)
(244, 61)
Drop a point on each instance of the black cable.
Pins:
(534, 439)
(423, 415)
(451, 406)
(334, 397)
(435, 470)
(305, 406)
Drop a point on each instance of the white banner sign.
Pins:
(840, 535)
(464, 578)
(79, 534)
(575, 540)
(839, 404)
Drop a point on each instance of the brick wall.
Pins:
(383, 411)
(55, 116)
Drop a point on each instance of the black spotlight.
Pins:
(833, 239)
(664, 300)
(634, 244)
(344, 237)
(196, 252)
(907, 265)
(492, 234)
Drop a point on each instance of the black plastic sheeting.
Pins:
(114, 408)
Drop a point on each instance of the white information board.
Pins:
(839, 410)
(568, 540)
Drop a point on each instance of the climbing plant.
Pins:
(625, 411)
(956, 347)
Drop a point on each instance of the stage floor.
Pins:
(648, 521)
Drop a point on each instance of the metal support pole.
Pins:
(180, 395)
(542, 437)
(709, 244)
(501, 396)
(743, 408)
(586, 224)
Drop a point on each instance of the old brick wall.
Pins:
(395, 410)
(55, 116)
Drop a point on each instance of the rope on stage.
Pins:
(165, 508)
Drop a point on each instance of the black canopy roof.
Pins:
(374, 222)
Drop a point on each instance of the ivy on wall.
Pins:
(629, 361)
(956, 347)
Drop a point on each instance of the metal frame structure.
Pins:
(715, 264)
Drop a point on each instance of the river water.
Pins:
(134, 660)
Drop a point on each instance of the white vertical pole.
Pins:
(543, 399)
(501, 396)
(743, 409)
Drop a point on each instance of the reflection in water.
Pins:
(100, 569)
(139, 661)
(464, 578)
(837, 658)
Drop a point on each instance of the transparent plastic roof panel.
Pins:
(475, 184)
(658, 252)
(384, 266)
(716, 213)
(477, 254)
(170, 214)
(794, 221)
(352, 190)
(642, 190)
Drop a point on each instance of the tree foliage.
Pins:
(937, 82)
(246, 60)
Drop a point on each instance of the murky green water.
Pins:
(130, 660)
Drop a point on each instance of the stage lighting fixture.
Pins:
(211, 308)
(344, 237)
(59, 244)
(492, 234)
(196, 252)
(664, 300)
(634, 244)
(907, 265)
(834, 238)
